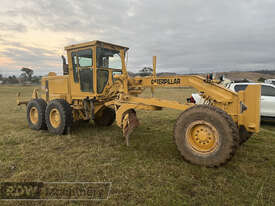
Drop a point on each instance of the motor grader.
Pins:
(95, 86)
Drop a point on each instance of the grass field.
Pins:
(148, 172)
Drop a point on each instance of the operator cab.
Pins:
(93, 65)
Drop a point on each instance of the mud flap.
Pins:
(129, 123)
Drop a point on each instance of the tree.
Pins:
(261, 79)
(146, 71)
(28, 72)
(22, 78)
(36, 79)
(12, 79)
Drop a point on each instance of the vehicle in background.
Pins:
(270, 81)
(267, 97)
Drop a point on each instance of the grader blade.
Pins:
(129, 123)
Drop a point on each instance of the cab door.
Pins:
(82, 63)
(102, 77)
(107, 59)
(85, 63)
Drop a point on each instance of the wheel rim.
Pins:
(34, 115)
(202, 137)
(55, 118)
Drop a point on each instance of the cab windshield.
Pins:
(107, 58)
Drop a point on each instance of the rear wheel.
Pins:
(206, 135)
(36, 114)
(58, 116)
(105, 117)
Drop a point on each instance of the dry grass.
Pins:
(148, 172)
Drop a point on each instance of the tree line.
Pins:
(26, 77)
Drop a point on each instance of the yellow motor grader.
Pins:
(95, 86)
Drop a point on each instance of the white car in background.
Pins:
(270, 81)
(267, 97)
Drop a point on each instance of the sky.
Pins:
(187, 36)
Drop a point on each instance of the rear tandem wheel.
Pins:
(36, 114)
(58, 116)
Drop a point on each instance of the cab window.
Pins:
(74, 62)
(85, 58)
(108, 58)
(115, 73)
(102, 79)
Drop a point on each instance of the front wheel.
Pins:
(206, 135)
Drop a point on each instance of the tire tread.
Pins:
(231, 125)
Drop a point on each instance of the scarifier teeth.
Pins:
(130, 122)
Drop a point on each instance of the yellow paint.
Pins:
(154, 66)
(55, 118)
(121, 91)
(34, 115)
(202, 137)
(250, 118)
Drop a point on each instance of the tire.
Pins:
(36, 114)
(58, 116)
(206, 135)
(244, 135)
(105, 117)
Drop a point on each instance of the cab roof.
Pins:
(94, 43)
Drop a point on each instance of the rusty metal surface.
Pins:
(130, 122)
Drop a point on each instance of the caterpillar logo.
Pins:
(166, 81)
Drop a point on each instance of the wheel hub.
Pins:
(202, 137)
(34, 115)
(55, 118)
